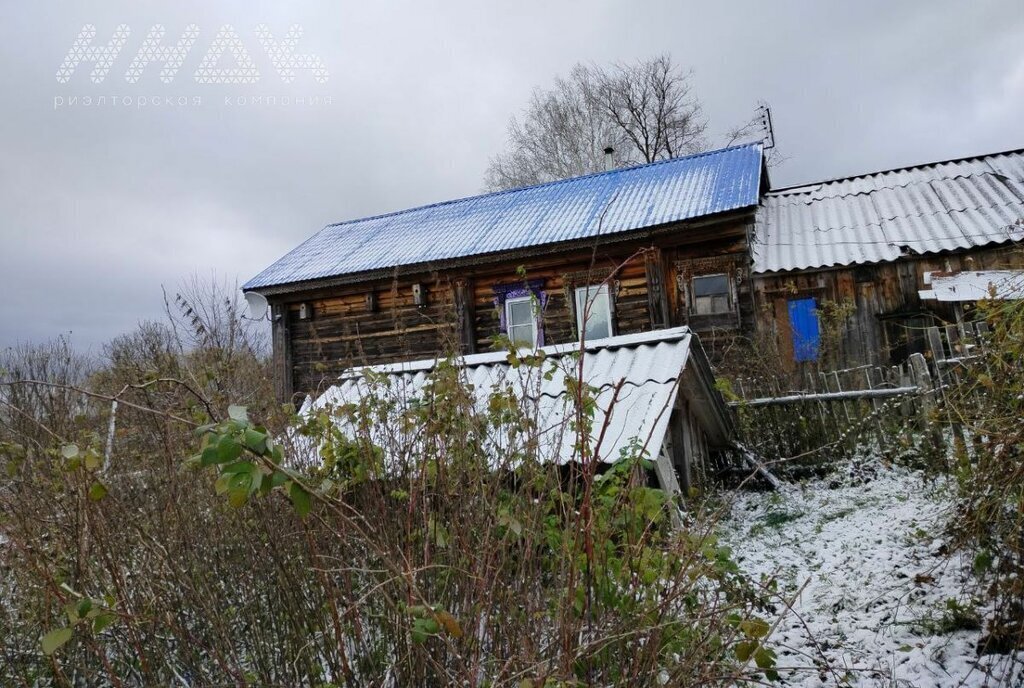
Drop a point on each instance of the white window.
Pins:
(595, 307)
(521, 321)
(711, 294)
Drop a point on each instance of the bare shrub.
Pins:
(427, 544)
(984, 406)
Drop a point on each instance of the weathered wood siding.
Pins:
(461, 313)
(343, 331)
(871, 314)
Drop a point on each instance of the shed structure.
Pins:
(655, 393)
(861, 250)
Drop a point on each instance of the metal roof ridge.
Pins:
(554, 182)
(793, 193)
(793, 188)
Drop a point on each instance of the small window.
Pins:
(594, 304)
(521, 321)
(711, 294)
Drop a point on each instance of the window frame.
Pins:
(580, 309)
(730, 307)
(534, 319)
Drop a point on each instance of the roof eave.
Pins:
(496, 256)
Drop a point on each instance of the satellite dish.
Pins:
(257, 305)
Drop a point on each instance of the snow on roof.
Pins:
(882, 216)
(638, 378)
(570, 209)
(974, 285)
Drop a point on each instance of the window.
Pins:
(521, 321)
(711, 294)
(594, 304)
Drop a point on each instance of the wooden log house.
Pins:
(647, 248)
(702, 241)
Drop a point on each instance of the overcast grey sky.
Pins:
(100, 205)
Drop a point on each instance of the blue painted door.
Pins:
(803, 319)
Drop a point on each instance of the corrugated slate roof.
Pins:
(634, 198)
(650, 366)
(879, 217)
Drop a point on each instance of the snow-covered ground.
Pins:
(859, 556)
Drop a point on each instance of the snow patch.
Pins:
(861, 561)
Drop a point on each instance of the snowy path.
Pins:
(876, 586)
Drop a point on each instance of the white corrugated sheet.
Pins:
(974, 285)
(638, 377)
(879, 217)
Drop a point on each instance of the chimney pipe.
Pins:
(608, 153)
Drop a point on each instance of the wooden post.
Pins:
(953, 337)
(464, 316)
(839, 388)
(657, 295)
(923, 379)
(282, 363)
(679, 437)
(876, 406)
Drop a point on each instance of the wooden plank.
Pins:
(953, 339)
(935, 344)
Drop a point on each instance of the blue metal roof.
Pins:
(635, 198)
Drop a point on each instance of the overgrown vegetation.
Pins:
(985, 409)
(180, 538)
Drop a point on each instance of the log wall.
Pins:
(344, 329)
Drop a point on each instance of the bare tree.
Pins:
(646, 111)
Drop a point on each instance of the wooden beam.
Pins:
(464, 314)
(657, 294)
(282, 353)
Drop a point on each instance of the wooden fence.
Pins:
(891, 409)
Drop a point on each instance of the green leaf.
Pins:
(278, 479)
(238, 467)
(102, 621)
(209, 456)
(54, 639)
(983, 562)
(423, 628)
(92, 460)
(238, 413)
(764, 658)
(256, 441)
(745, 649)
(83, 608)
(228, 449)
(97, 491)
(222, 484)
(300, 499)
(755, 628)
(69, 451)
(238, 496)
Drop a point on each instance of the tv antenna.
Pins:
(766, 123)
